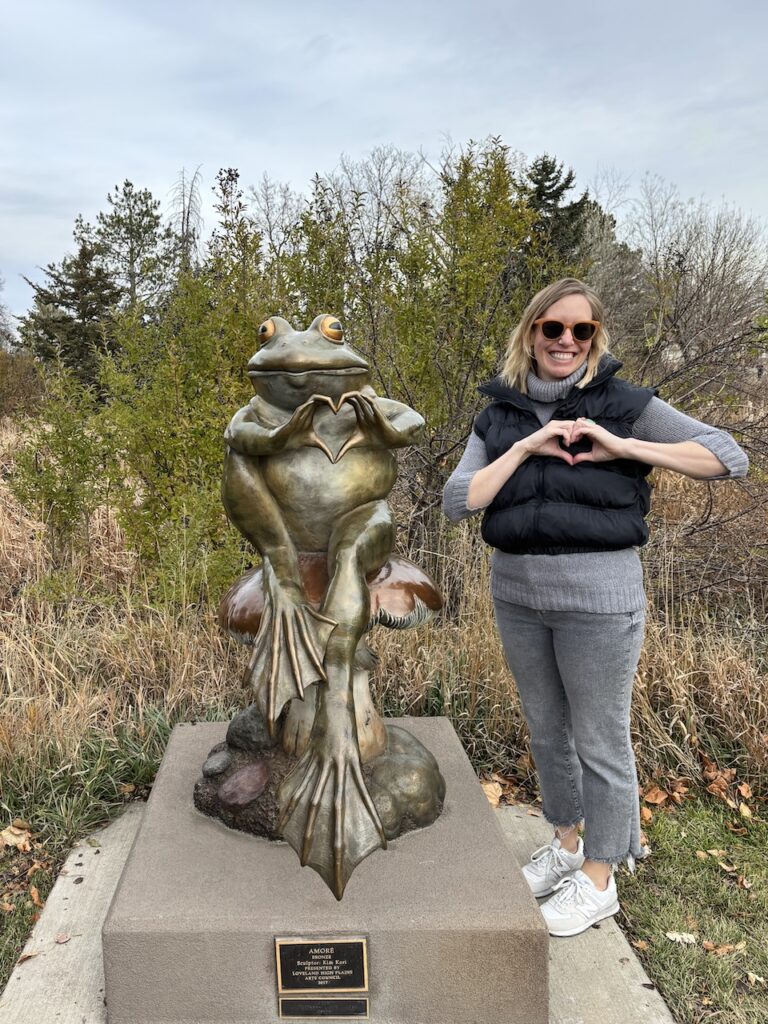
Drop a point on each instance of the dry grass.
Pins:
(86, 659)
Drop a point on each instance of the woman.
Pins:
(558, 463)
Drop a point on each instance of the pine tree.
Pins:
(70, 317)
(560, 225)
(133, 244)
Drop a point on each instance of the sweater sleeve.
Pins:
(662, 423)
(457, 485)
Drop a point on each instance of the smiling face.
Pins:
(556, 360)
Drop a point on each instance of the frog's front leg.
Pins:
(327, 814)
(381, 423)
(248, 435)
(289, 648)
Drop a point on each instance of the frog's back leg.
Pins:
(289, 649)
(327, 814)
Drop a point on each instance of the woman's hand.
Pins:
(605, 445)
(487, 482)
(547, 441)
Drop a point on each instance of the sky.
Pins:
(92, 93)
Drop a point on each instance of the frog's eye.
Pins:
(266, 330)
(331, 329)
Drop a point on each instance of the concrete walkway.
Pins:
(595, 977)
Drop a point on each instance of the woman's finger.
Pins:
(584, 457)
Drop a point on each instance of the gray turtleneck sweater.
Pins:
(600, 581)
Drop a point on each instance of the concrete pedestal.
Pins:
(454, 935)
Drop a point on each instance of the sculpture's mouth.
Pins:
(338, 370)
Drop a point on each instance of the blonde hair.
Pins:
(518, 358)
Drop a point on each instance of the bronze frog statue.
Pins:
(309, 464)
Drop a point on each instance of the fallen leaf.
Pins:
(680, 785)
(16, 837)
(745, 789)
(654, 795)
(492, 791)
(36, 866)
(718, 950)
(93, 842)
(7, 908)
(745, 811)
(738, 830)
(711, 771)
(701, 855)
(706, 1001)
(34, 895)
(126, 787)
(27, 956)
(742, 882)
(677, 789)
(685, 938)
(646, 815)
(640, 944)
(726, 867)
(26, 827)
(534, 813)
(717, 853)
(755, 979)
(62, 938)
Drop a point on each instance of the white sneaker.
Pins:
(549, 864)
(578, 904)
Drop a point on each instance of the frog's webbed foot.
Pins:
(326, 811)
(288, 654)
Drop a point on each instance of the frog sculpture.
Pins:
(309, 464)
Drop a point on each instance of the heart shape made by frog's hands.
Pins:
(344, 400)
(355, 436)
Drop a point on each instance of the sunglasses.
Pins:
(581, 330)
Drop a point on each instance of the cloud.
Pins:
(92, 93)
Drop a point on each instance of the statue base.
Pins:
(452, 933)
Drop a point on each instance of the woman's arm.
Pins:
(661, 423)
(455, 504)
(475, 482)
(688, 457)
(664, 437)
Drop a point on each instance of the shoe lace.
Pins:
(550, 856)
(572, 891)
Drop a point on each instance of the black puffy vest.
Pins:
(549, 507)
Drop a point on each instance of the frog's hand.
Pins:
(288, 654)
(326, 812)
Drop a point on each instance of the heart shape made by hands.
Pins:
(336, 406)
(584, 444)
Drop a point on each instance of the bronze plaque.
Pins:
(334, 1007)
(321, 965)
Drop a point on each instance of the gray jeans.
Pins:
(574, 673)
